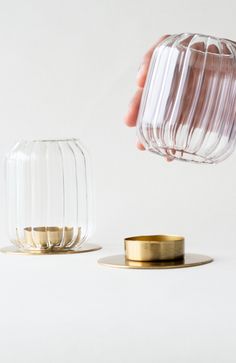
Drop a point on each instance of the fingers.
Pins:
(213, 48)
(169, 158)
(140, 146)
(132, 114)
(143, 70)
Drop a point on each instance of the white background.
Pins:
(68, 68)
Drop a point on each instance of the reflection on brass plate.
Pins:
(189, 260)
(87, 247)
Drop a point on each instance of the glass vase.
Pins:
(188, 106)
(48, 195)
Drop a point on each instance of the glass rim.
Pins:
(66, 139)
(214, 38)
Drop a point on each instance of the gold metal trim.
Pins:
(87, 247)
(36, 237)
(154, 248)
(189, 260)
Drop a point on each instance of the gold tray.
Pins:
(87, 247)
(189, 260)
(154, 252)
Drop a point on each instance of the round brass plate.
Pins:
(87, 247)
(189, 260)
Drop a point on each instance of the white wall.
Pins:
(68, 68)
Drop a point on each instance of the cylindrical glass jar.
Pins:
(188, 106)
(48, 194)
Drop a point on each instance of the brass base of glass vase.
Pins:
(154, 252)
(87, 247)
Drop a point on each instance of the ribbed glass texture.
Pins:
(188, 107)
(48, 194)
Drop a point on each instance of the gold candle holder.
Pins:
(43, 236)
(48, 240)
(154, 252)
(49, 196)
(154, 248)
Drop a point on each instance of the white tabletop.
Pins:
(68, 69)
(68, 309)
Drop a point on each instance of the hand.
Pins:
(131, 116)
(212, 65)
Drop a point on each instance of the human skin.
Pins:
(132, 114)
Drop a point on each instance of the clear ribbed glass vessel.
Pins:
(188, 107)
(48, 194)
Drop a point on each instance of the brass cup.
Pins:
(154, 248)
(42, 235)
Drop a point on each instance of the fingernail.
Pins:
(140, 69)
(131, 102)
(140, 146)
(140, 66)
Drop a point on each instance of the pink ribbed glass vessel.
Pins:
(188, 107)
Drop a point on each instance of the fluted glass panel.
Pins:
(48, 194)
(188, 106)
